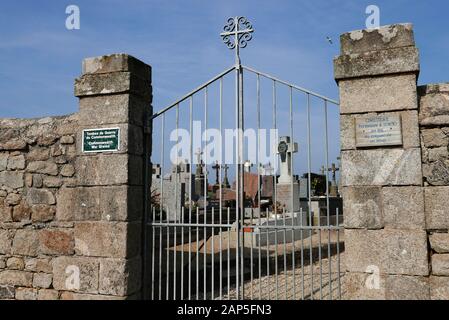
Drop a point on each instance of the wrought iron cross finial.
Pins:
(241, 30)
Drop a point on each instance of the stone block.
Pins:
(42, 213)
(436, 173)
(13, 180)
(120, 108)
(26, 294)
(38, 154)
(362, 207)
(47, 139)
(440, 264)
(16, 162)
(40, 196)
(82, 297)
(107, 239)
(379, 94)
(26, 243)
(434, 88)
(15, 263)
(5, 212)
(436, 207)
(115, 203)
(21, 212)
(47, 294)
(375, 63)
(434, 109)
(38, 265)
(13, 144)
(5, 242)
(439, 242)
(436, 154)
(3, 161)
(44, 167)
(56, 242)
(403, 207)
(67, 140)
(435, 137)
(116, 63)
(38, 181)
(62, 159)
(13, 199)
(380, 167)
(112, 83)
(7, 292)
(400, 252)
(407, 288)
(385, 37)
(360, 286)
(68, 170)
(111, 169)
(76, 274)
(42, 280)
(119, 277)
(16, 278)
(439, 288)
(52, 182)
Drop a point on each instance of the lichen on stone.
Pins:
(356, 35)
(388, 33)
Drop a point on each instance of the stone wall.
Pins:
(71, 222)
(434, 129)
(395, 202)
(385, 233)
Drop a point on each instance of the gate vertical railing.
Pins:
(175, 268)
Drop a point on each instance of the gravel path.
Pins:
(297, 284)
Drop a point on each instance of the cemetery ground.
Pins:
(287, 271)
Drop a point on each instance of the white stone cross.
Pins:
(248, 165)
(285, 150)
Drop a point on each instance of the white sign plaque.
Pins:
(378, 130)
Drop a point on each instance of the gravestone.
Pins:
(261, 236)
(287, 188)
(172, 189)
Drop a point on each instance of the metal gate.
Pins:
(263, 235)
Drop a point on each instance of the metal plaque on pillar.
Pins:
(101, 140)
(378, 130)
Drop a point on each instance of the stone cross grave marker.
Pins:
(285, 151)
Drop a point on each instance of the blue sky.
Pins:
(40, 58)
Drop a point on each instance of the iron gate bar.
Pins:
(190, 191)
(221, 188)
(230, 225)
(205, 194)
(291, 189)
(266, 75)
(275, 195)
(191, 93)
(326, 135)
(309, 188)
(258, 180)
(224, 73)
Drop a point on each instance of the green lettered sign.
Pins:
(101, 140)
